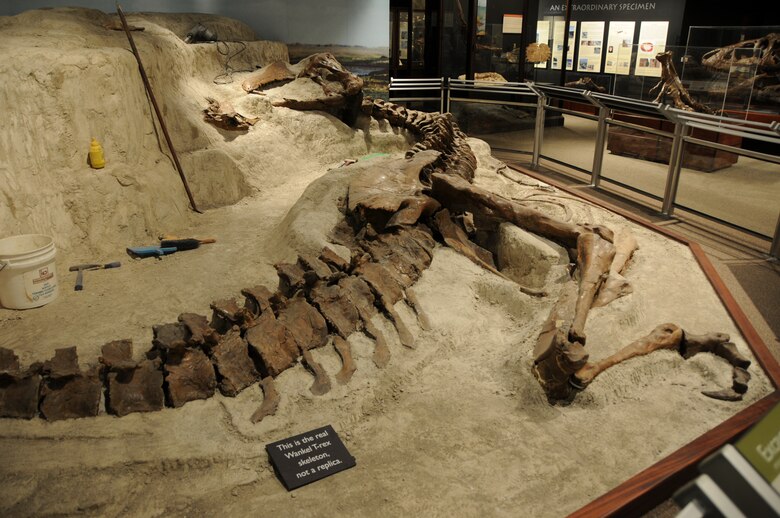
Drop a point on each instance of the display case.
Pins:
(736, 69)
(731, 70)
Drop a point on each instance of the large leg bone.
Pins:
(665, 336)
(616, 286)
(270, 400)
(458, 194)
(348, 367)
(555, 357)
(594, 256)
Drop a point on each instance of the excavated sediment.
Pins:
(327, 295)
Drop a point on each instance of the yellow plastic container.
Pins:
(96, 158)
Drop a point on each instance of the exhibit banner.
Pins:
(542, 36)
(557, 47)
(652, 40)
(591, 44)
(606, 10)
(619, 46)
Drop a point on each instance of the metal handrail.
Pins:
(494, 87)
(438, 84)
(563, 93)
(607, 105)
(507, 88)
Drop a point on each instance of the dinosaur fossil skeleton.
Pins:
(395, 215)
(671, 85)
(762, 53)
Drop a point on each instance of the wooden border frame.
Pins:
(653, 485)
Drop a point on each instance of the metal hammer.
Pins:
(82, 267)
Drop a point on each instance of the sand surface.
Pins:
(456, 427)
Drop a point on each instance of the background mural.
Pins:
(355, 31)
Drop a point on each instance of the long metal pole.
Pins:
(442, 95)
(673, 174)
(538, 131)
(775, 250)
(598, 156)
(471, 39)
(156, 108)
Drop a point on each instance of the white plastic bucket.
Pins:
(28, 277)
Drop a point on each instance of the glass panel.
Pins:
(726, 88)
(570, 139)
(418, 39)
(453, 41)
(636, 158)
(393, 49)
(734, 86)
(403, 38)
(737, 189)
(739, 51)
(503, 127)
(453, 38)
(498, 40)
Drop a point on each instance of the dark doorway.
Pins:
(414, 38)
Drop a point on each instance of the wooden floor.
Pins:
(748, 281)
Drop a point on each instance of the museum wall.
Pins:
(344, 22)
(604, 10)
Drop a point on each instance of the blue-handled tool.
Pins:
(151, 251)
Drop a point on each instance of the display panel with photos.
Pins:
(557, 46)
(620, 41)
(591, 45)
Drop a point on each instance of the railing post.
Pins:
(441, 97)
(538, 130)
(775, 250)
(447, 100)
(675, 165)
(598, 156)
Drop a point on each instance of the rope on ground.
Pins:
(223, 48)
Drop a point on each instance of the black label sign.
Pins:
(310, 456)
